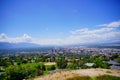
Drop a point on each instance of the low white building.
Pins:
(89, 64)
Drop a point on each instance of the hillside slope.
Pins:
(63, 75)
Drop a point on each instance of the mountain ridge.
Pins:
(7, 45)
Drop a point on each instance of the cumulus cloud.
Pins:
(112, 24)
(26, 37)
(110, 32)
(96, 35)
(5, 38)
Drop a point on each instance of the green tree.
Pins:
(99, 63)
(72, 66)
(14, 73)
(61, 63)
(53, 67)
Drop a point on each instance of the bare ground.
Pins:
(49, 63)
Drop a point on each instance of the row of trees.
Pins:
(30, 58)
(99, 62)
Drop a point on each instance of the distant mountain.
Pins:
(99, 45)
(106, 45)
(7, 45)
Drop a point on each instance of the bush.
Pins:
(23, 71)
(53, 67)
(14, 73)
(72, 66)
(50, 67)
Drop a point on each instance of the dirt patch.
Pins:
(50, 63)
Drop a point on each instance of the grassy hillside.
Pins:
(83, 74)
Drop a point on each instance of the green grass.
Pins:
(46, 72)
(108, 71)
(107, 77)
(79, 78)
(93, 78)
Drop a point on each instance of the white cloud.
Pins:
(5, 38)
(26, 37)
(84, 35)
(112, 24)
(96, 35)
(87, 31)
(79, 31)
(79, 36)
(47, 41)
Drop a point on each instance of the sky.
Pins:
(59, 22)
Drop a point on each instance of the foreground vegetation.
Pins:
(25, 71)
(27, 66)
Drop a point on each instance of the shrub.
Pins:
(23, 71)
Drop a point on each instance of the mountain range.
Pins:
(7, 45)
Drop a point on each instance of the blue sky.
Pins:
(49, 21)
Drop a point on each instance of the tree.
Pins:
(99, 63)
(23, 71)
(53, 67)
(118, 59)
(72, 66)
(14, 73)
(43, 67)
(61, 63)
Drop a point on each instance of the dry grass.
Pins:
(97, 72)
(57, 76)
(50, 63)
(79, 78)
(69, 74)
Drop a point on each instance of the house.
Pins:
(114, 65)
(89, 64)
